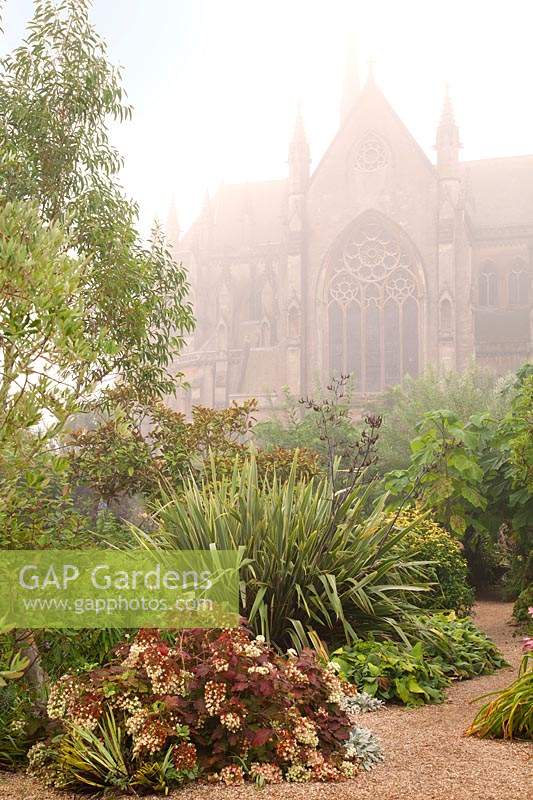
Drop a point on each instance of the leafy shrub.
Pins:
(459, 648)
(429, 541)
(523, 603)
(136, 447)
(392, 671)
(476, 479)
(21, 717)
(74, 649)
(313, 563)
(219, 704)
(22, 723)
(474, 391)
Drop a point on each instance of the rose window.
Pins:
(371, 154)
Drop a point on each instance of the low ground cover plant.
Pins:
(450, 649)
(459, 647)
(215, 705)
(393, 672)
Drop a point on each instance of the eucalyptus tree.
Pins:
(59, 95)
(83, 299)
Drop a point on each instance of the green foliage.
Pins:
(58, 95)
(392, 671)
(475, 478)
(445, 465)
(83, 298)
(16, 666)
(75, 650)
(429, 541)
(299, 424)
(139, 447)
(474, 391)
(36, 505)
(448, 649)
(41, 326)
(22, 723)
(509, 714)
(523, 603)
(311, 563)
(96, 758)
(14, 670)
(517, 428)
(458, 647)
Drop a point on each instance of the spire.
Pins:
(172, 228)
(448, 144)
(371, 62)
(206, 221)
(299, 136)
(299, 156)
(351, 86)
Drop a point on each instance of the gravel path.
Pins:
(427, 757)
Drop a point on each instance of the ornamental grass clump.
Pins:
(218, 706)
(509, 714)
(314, 560)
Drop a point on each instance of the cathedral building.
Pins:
(376, 263)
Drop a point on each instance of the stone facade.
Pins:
(377, 263)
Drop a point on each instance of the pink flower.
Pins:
(530, 611)
(527, 644)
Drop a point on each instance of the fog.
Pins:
(399, 239)
(215, 83)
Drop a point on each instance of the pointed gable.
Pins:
(370, 113)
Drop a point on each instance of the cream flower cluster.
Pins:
(259, 669)
(167, 681)
(305, 732)
(62, 694)
(295, 675)
(215, 697)
(265, 773)
(231, 721)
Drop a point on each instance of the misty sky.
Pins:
(215, 83)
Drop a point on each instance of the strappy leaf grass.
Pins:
(312, 566)
(509, 715)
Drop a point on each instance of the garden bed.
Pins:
(427, 755)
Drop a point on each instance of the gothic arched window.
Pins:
(373, 305)
(445, 317)
(488, 286)
(518, 284)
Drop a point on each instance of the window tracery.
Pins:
(373, 305)
(518, 284)
(488, 295)
(371, 153)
